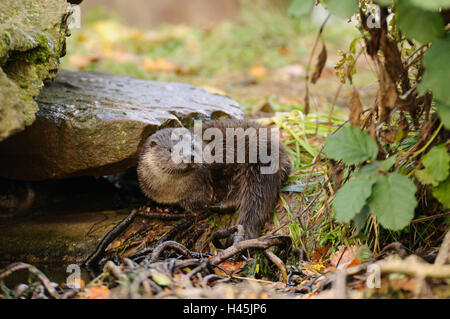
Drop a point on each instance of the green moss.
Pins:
(32, 38)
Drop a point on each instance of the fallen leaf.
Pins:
(213, 90)
(344, 257)
(160, 278)
(258, 71)
(228, 267)
(82, 61)
(291, 71)
(97, 292)
(353, 263)
(159, 64)
(284, 50)
(319, 253)
(407, 284)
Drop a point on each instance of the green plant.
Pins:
(395, 151)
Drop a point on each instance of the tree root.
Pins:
(444, 253)
(237, 230)
(169, 245)
(39, 274)
(93, 259)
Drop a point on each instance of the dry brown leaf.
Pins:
(387, 95)
(291, 71)
(344, 257)
(228, 267)
(258, 71)
(97, 292)
(159, 64)
(284, 50)
(320, 253)
(389, 136)
(355, 109)
(407, 284)
(82, 61)
(320, 64)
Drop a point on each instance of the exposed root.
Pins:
(39, 274)
(169, 245)
(93, 259)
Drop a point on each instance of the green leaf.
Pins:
(393, 200)
(432, 4)
(369, 169)
(437, 75)
(364, 253)
(417, 23)
(342, 8)
(361, 217)
(384, 2)
(351, 145)
(160, 278)
(387, 164)
(351, 198)
(436, 162)
(442, 193)
(298, 8)
(425, 178)
(444, 113)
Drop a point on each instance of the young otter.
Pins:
(231, 181)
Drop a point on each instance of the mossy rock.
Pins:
(32, 39)
(94, 124)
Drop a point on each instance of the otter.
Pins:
(230, 182)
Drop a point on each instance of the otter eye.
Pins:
(152, 143)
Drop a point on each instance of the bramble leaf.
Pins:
(425, 178)
(352, 196)
(433, 4)
(418, 23)
(393, 200)
(442, 193)
(436, 162)
(351, 145)
(342, 8)
(444, 113)
(300, 7)
(436, 76)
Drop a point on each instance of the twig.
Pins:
(412, 266)
(164, 216)
(112, 268)
(188, 223)
(143, 276)
(309, 63)
(224, 233)
(338, 92)
(116, 231)
(261, 243)
(444, 252)
(169, 245)
(45, 281)
(425, 219)
(278, 262)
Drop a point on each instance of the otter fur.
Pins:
(221, 185)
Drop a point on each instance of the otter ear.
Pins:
(152, 143)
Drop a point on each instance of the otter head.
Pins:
(171, 150)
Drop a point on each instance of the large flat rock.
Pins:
(92, 123)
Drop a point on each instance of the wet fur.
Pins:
(222, 186)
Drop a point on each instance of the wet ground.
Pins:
(53, 224)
